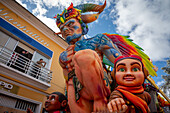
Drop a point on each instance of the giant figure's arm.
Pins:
(65, 60)
(108, 48)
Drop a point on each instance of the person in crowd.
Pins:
(25, 53)
(41, 63)
(22, 61)
(37, 68)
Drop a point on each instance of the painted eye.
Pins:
(66, 15)
(135, 69)
(122, 70)
(52, 99)
(69, 10)
(70, 24)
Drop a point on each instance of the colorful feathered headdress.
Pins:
(127, 47)
(76, 12)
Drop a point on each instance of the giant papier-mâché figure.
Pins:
(129, 97)
(86, 79)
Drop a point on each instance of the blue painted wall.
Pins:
(4, 24)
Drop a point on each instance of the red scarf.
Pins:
(137, 101)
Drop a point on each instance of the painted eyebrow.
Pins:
(135, 63)
(120, 64)
(70, 21)
(67, 23)
(52, 95)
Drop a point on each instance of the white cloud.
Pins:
(40, 10)
(20, 2)
(61, 4)
(160, 83)
(87, 36)
(148, 23)
(49, 22)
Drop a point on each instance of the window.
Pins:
(42, 73)
(12, 102)
(38, 56)
(7, 45)
(21, 56)
(3, 39)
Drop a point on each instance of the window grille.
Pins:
(23, 105)
(11, 102)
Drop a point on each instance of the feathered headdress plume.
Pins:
(76, 12)
(127, 47)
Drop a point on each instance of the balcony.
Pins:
(23, 69)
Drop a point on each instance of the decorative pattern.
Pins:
(4, 13)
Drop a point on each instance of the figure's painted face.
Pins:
(52, 103)
(129, 73)
(71, 30)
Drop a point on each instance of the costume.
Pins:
(138, 92)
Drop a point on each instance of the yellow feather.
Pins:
(61, 19)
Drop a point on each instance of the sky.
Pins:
(147, 22)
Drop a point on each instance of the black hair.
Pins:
(61, 96)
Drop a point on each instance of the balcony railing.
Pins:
(19, 62)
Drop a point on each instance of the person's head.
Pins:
(56, 101)
(41, 59)
(23, 52)
(79, 22)
(129, 71)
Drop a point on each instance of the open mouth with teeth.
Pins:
(129, 78)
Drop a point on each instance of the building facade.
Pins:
(24, 40)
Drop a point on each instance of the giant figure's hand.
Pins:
(117, 106)
(65, 60)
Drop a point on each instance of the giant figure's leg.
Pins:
(89, 71)
(82, 106)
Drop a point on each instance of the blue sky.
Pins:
(145, 21)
